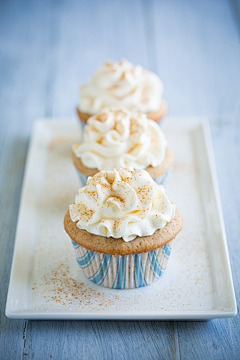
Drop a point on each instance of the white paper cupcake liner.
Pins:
(123, 272)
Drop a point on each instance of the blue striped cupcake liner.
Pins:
(83, 178)
(123, 272)
(163, 179)
(83, 125)
(160, 180)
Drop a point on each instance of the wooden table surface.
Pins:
(47, 49)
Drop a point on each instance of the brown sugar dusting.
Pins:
(61, 288)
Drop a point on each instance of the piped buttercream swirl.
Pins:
(120, 138)
(122, 84)
(123, 203)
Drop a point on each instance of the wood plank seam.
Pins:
(174, 351)
(235, 9)
(178, 342)
(52, 63)
(175, 339)
(24, 339)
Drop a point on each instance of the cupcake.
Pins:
(122, 226)
(123, 84)
(120, 138)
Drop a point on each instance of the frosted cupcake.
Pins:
(122, 225)
(123, 84)
(120, 138)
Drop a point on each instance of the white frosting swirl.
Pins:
(123, 203)
(118, 138)
(122, 84)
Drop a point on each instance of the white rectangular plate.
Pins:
(46, 282)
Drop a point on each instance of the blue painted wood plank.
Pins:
(42, 56)
(91, 33)
(22, 95)
(99, 340)
(47, 50)
(79, 48)
(198, 52)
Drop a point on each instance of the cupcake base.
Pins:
(123, 272)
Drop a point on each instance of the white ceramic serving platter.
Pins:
(46, 282)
